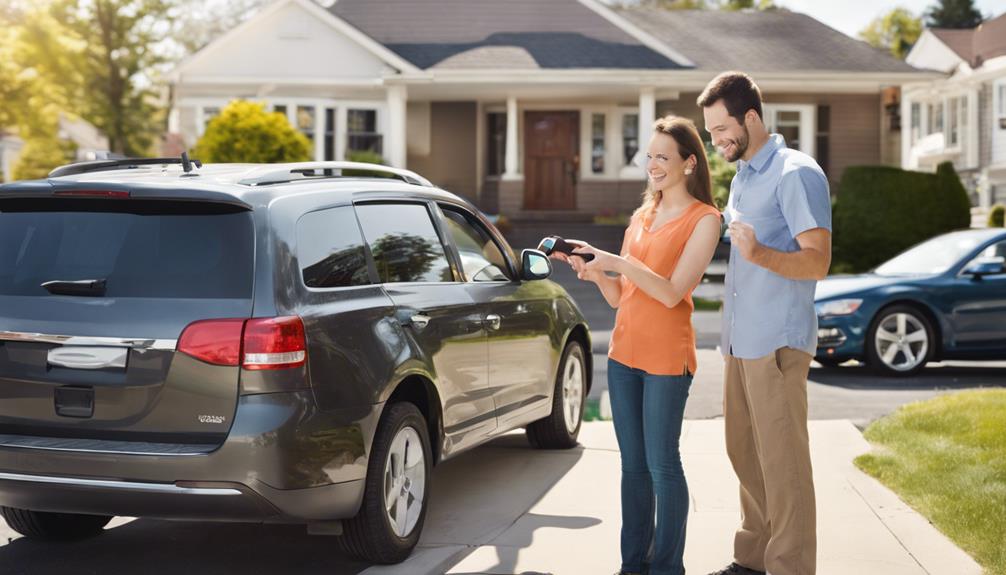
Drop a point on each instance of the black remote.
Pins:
(553, 244)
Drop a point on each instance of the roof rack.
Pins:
(279, 173)
(116, 164)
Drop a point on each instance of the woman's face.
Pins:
(664, 166)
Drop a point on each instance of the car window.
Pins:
(404, 243)
(933, 256)
(330, 249)
(155, 249)
(481, 258)
(995, 252)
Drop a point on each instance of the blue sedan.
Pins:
(942, 299)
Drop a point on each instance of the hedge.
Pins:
(881, 211)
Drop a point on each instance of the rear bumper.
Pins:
(283, 461)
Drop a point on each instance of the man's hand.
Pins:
(743, 236)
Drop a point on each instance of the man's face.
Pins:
(730, 137)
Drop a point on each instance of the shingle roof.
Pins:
(960, 41)
(768, 41)
(478, 34)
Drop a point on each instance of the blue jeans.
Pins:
(648, 411)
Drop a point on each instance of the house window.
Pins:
(795, 122)
(279, 109)
(823, 136)
(937, 118)
(209, 112)
(630, 137)
(496, 160)
(597, 143)
(329, 134)
(361, 131)
(305, 121)
(916, 121)
(1001, 107)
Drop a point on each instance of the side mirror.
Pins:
(985, 267)
(534, 265)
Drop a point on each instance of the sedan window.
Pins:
(404, 243)
(481, 258)
(934, 256)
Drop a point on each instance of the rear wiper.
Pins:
(94, 288)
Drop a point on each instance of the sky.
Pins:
(851, 16)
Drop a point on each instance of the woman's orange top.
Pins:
(648, 335)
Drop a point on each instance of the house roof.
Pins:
(533, 34)
(975, 45)
(761, 41)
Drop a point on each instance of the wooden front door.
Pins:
(551, 160)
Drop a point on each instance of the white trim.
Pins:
(272, 81)
(511, 159)
(395, 145)
(808, 123)
(631, 29)
(340, 25)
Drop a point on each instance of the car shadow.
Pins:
(932, 377)
(475, 498)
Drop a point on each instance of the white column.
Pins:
(395, 150)
(341, 133)
(906, 131)
(319, 133)
(647, 114)
(511, 163)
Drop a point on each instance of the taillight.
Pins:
(274, 343)
(216, 341)
(92, 193)
(257, 344)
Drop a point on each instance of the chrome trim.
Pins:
(161, 488)
(133, 343)
(87, 357)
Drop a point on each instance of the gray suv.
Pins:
(292, 343)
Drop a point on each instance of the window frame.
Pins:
(807, 124)
(477, 222)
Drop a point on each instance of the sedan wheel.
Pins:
(560, 429)
(900, 341)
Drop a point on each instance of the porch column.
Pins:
(395, 150)
(511, 163)
(647, 115)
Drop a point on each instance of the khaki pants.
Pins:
(765, 407)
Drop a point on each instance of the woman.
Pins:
(651, 360)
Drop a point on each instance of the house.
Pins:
(960, 116)
(87, 139)
(536, 108)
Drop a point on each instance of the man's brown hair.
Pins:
(738, 92)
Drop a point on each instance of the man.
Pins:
(779, 215)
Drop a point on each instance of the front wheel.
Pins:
(391, 517)
(560, 429)
(900, 341)
(53, 526)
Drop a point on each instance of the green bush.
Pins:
(40, 155)
(245, 132)
(722, 173)
(366, 157)
(996, 216)
(881, 211)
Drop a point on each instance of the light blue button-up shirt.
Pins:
(781, 193)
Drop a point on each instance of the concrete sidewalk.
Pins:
(506, 509)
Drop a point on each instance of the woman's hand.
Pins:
(579, 267)
(603, 261)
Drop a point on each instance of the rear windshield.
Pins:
(139, 248)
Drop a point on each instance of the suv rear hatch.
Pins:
(94, 296)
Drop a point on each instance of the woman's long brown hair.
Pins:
(699, 183)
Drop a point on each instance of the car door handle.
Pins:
(493, 321)
(419, 320)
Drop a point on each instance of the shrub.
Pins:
(881, 211)
(40, 155)
(996, 216)
(245, 132)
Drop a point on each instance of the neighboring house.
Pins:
(88, 140)
(961, 116)
(535, 108)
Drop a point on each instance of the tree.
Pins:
(953, 14)
(113, 44)
(896, 31)
(244, 132)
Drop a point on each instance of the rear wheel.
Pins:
(900, 341)
(391, 518)
(560, 429)
(53, 526)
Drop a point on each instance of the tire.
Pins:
(560, 429)
(900, 341)
(54, 526)
(371, 535)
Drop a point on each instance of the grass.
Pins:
(946, 457)
(702, 304)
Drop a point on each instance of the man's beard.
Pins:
(740, 146)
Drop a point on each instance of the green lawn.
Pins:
(946, 457)
(702, 304)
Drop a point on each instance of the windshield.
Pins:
(933, 256)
